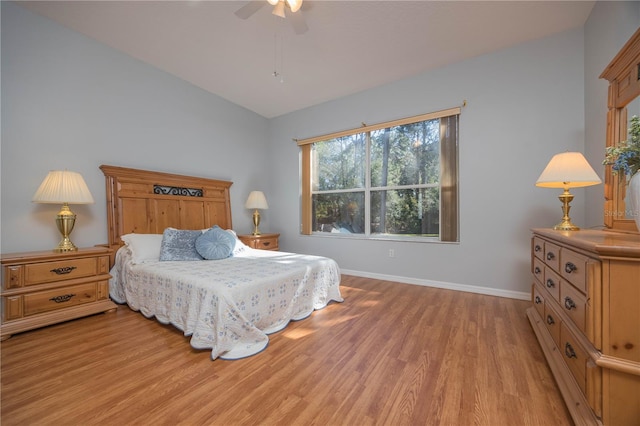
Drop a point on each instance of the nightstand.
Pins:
(45, 287)
(262, 241)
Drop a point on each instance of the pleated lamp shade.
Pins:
(63, 186)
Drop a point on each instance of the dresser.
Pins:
(43, 288)
(586, 316)
(261, 242)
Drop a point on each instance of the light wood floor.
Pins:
(391, 354)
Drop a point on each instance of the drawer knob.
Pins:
(550, 283)
(569, 267)
(536, 270)
(569, 303)
(63, 298)
(568, 351)
(64, 270)
(266, 243)
(550, 320)
(538, 300)
(537, 248)
(550, 256)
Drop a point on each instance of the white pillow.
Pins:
(240, 246)
(143, 247)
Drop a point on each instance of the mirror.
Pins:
(623, 74)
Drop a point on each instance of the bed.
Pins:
(177, 258)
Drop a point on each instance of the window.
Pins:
(394, 179)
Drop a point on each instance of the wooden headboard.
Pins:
(147, 202)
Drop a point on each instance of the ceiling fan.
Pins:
(281, 8)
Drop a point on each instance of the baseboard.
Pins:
(510, 294)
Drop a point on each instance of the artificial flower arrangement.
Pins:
(625, 158)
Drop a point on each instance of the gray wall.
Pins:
(70, 102)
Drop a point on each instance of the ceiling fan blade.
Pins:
(249, 9)
(298, 22)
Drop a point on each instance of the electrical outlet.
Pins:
(392, 253)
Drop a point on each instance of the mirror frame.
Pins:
(623, 74)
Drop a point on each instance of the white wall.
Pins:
(70, 102)
(610, 25)
(525, 104)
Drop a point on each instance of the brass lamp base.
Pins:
(565, 224)
(65, 220)
(256, 222)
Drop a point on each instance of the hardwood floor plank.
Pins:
(391, 354)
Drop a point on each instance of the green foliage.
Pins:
(400, 156)
(625, 158)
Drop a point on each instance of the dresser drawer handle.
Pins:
(550, 320)
(569, 303)
(550, 283)
(550, 256)
(569, 267)
(536, 270)
(569, 352)
(64, 270)
(538, 300)
(62, 299)
(266, 243)
(537, 248)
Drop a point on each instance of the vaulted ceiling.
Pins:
(349, 46)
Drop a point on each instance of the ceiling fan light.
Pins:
(294, 5)
(273, 2)
(278, 9)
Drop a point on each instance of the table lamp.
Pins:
(63, 186)
(256, 201)
(567, 170)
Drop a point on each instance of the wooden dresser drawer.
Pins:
(537, 248)
(552, 320)
(574, 304)
(59, 298)
(575, 356)
(573, 268)
(552, 283)
(537, 297)
(538, 269)
(552, 255)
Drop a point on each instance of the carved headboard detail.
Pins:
(147, 202)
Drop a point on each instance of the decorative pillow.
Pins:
(179, 244)
(216, 244)
(143, 247)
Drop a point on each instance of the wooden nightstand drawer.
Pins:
(59, 298)
(46, 272)
(262, 241)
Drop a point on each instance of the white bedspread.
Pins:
(229, 305)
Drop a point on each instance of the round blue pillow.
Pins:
(215, 243)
